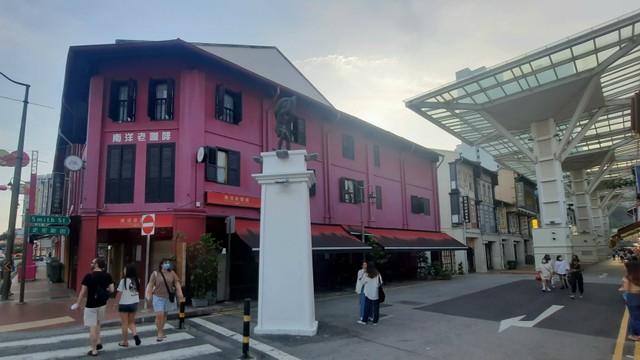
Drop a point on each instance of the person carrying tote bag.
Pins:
(371, 281)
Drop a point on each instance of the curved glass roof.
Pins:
(585, 83)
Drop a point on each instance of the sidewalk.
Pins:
(48, 305)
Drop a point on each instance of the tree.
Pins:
(202, 264)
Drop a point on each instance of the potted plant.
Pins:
(202, 264)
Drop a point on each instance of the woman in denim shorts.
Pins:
(127, 301)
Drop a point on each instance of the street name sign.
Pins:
(49, 230)
(49, 219)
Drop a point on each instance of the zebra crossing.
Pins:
(177, 345)
(194, 343)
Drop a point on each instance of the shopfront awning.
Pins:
(627, 230)
(323, 237)
(410, 240)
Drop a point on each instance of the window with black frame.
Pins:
(161, 99)
(120, 175)
(122, 101)
(160, 173)
(228, 105)
(420, 205)
(351, 191)
(348, 147)
(223, 166)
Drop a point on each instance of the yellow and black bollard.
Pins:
(181, 316)
(245, 329)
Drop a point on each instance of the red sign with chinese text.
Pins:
(217, 198)
(132, 221)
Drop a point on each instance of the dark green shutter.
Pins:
(171, 95)
(114, 155)
(131, 99)
(343, 182)
(167, 173)
(219, 101)
(211, 173)
(237, 108)
(233, 168)
(113, 101)
(151, 100)
(127, 174)
(359, 192)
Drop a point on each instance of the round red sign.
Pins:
(148, 225)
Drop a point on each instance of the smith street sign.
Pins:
(49, 230)
(48, 219)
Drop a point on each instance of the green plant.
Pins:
(460, 268)
(202, 264)
(378, 254)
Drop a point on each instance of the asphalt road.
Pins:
(476, 316)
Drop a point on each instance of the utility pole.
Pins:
(15, 191)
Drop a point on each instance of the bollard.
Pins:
(181, 316)
(245, 329)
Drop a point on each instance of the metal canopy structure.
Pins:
(585, 83)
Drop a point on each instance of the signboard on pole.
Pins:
(49, 219)
(148, 224)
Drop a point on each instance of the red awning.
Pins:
(409, 240)
(323, 237)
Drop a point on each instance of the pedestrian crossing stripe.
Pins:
(108, 347)
(278, 354)
(35, 324)
(57, 339)
(191, 351)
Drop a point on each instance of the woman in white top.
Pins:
(127, 301)
(359, 287)
(561, 267)
(546, 271)
(371, 281)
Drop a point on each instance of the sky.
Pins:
(365, 56)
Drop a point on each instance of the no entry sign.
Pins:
(148, 224)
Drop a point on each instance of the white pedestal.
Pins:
(285, 292)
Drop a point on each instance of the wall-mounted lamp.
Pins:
(257, 159)
(281, 181)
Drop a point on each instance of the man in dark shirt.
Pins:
(96, 304)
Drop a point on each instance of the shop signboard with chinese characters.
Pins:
(57, 193)
(218, 198)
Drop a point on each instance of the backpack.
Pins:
(102, 295)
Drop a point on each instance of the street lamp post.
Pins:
(363, 198)
(15, 191)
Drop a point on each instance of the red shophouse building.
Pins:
(138, 112)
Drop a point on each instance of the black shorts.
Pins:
(127, 308)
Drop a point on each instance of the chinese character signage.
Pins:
(217, 198)
(57, 194)
(465, 209)
(140, 136)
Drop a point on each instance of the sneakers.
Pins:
(572, 296)
(375, 324)
(580, 296)
(361, 322)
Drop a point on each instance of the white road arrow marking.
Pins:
(604, 275)
(515, 321)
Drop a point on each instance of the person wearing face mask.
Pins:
(161, 284)
(562, 268)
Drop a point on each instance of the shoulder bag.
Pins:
(381, 295)
(172, 295)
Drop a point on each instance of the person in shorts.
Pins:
(95, 305)
(160, 283)
(127, 300)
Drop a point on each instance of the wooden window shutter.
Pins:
(378, 197)
(167, 172)
(359, 192)
(113, 101)
(152, 183)
(426, 209)
(211, 172)
(342, 189)
(171, 96)
(302, 132)
(151, 100)
(127, 174)
(219, 101)
(112, 193)
(233, 168)
(237, 108)
(131, 99)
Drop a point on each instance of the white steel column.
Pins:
(584, 244)
(285, 289)
(553, 236)
(601, 238)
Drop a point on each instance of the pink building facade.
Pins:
(138, 113)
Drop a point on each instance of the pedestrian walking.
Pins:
(127, 300)
(631, 287)
(164, 290)
(546, 271)
(371, 281)
(561, 267)
(97, 286)
(359, 290)
(575, 276)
